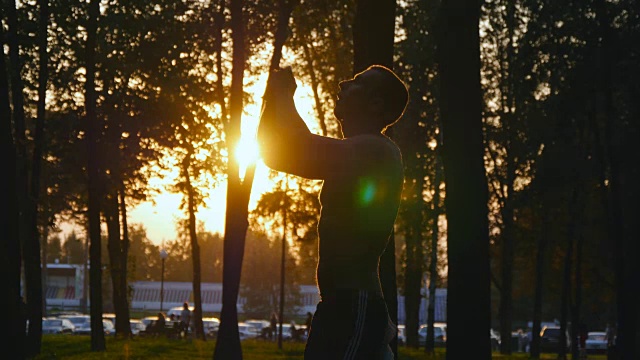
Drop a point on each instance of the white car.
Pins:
(402, 337)
(85, 328)
(596, 342)
(137, 326)
(76, 320)
(176, 311)
(57, 326)
(210, 325)
(247, 331)
(439, 334)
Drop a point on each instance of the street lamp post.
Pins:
(163, 256)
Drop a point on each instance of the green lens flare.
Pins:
(366, 191)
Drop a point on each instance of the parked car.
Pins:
(495, 339)
(596, 342)
(57, 326)
(137, 326)
(85, 328)
(76, 319)
(550, 339)
(176, 311)
(247, 331)
(402, 336)
(439, 334)
(259, 325)
(210, 325)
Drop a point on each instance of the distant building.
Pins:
(65, 285)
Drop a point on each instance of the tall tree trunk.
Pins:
(195, 253)
(124, 264)
(228, 342)
(29, 238)
(38, 148)
(117, 268)
(94, 181)
(433, 264)
(308, 54)
(373, 36)
(10, 245)
(565, 301)
(414, 265)
(466, 183)
(508, 251)
(539, 281)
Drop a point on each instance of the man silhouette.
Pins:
(362, 177)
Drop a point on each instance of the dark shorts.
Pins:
(351, 324)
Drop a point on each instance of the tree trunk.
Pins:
(433, 265)
(466, 183)
(539, 282)
(29, 238)
(10, 245)
(124, 265)
(116, 270)
(565, 303)
(38, 146)
(414, 265)
(94, 181)
(373, 36)
(195, 255)
(307, 50)
(506, 293)
(228, 343)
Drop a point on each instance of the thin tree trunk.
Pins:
(433, 265)
(94, 181)
(539, 282)
(36, 164)
(10, 246)
(414, 265)
(567, 276)
(30, 241)
(228, 343)
(195, 254)
(124, 264)
(307, 50)
(466, 183)
(283, 254)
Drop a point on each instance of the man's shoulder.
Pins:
(376, 143)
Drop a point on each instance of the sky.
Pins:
(159, 219)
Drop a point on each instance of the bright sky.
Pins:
(159, 220)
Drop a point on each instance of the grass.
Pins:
(71, 347)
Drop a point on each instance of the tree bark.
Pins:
(10, 246)
(94, 181)
(466, 183)
(433, 265)
(195, 254)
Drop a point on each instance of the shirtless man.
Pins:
(362, 177)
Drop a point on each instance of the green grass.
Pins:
(79, 348)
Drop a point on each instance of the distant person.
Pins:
(362, 175)
(273, 325)
(160, 324)
(185, 317)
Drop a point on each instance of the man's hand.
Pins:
(281, 84)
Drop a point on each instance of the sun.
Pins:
(246, 153)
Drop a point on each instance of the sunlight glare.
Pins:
(246, 153)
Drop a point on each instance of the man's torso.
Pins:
(359, 208)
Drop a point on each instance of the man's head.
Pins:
(371, 102)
